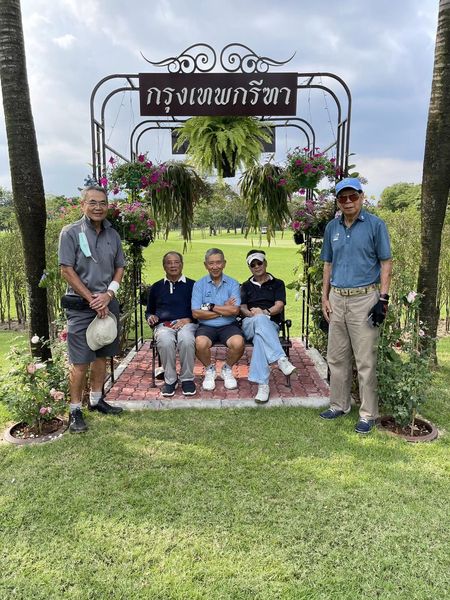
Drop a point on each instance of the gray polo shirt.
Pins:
(96, 271)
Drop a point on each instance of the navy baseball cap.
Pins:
(348, 182)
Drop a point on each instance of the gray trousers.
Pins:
(351, 335)
(167, 342)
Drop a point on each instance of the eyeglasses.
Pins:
(255, 263)
(93, 204)
(349, 198)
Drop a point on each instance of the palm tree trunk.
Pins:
(26, 176)
(436, 176)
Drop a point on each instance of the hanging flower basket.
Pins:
(133, 222)
(305, 169)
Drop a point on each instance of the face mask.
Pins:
(84, 245)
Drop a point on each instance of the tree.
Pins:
(400, 196)
(26, 176)
(436, 173)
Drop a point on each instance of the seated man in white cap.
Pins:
(92, 262)
(263, 298)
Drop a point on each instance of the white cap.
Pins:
(101, 332)
(256, 256)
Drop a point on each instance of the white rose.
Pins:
(35, 339)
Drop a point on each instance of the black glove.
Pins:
(378, 312)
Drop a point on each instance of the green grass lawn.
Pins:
(228, 504)
(231, 504)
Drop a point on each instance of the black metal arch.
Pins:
(233, 58)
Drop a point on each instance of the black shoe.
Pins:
(188, 388)
(168, 389)
(105, 408)
(76, 422)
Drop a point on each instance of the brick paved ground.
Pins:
(132, 388)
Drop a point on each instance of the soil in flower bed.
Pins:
(420, 429)
(23, 432)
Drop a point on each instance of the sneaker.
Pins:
(364, 426)
(188, 388)
(263, 393)
(105, 408)
(333, 413)
(229, 380)
(209, 382)
(76, 422)
(285, 366)
(168, 389)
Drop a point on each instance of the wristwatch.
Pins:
(207, 306)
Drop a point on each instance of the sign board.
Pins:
(218, 94)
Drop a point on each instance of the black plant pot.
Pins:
(299, 238)
(228, 169)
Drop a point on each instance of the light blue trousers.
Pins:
(266, 346)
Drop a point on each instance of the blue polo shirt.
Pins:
(205, 292)
(355, 252)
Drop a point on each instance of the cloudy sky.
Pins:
(382, 49)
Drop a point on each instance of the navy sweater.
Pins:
(169, 306)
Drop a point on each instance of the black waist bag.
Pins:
(71, 302)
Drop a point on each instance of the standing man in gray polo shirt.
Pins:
(356, 278)
(92, 262)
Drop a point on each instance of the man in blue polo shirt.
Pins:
(216, 303)
(169, 313)
(356, 278)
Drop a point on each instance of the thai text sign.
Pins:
(193, 94)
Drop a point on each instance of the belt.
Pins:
(357, 291)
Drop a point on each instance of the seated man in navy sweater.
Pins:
(169, 313)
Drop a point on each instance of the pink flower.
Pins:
(43, 410)
(116, 191)
(58, 396)
(154, 178)
(144, 181)
(132, 227)
(31, 368)
(63, 335)
(149, 164)
(295, 225)
(103, 181)
(150, 223)
(112, 160)
(141, 158)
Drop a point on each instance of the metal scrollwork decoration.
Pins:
(202, 58)
(199, 58)
(237, 57)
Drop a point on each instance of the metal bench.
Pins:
(285, 342)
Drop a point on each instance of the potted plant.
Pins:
(132, 221)
(35, 391)
(404, 370)
(305, 168)
(265, 195)
(175, 200)
(134, 178)
(223, 143)
(312, 214)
